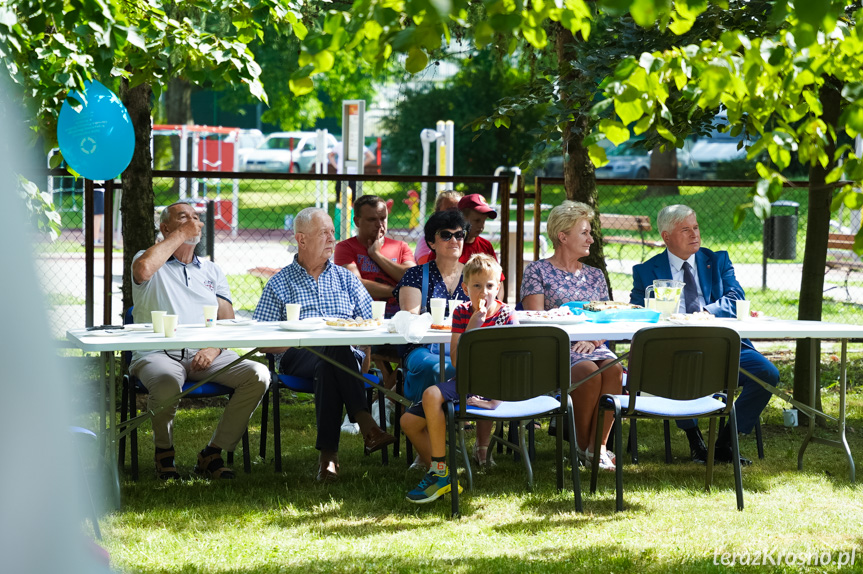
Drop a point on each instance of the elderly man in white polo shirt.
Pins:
(169, 276)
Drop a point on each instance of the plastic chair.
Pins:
(524, 366)
(132, 387)
(86, 476)
(301, 385)
(689, 372)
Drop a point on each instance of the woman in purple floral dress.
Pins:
(561, 278)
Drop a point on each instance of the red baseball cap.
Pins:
(477, 201)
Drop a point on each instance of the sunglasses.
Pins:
(447, 235)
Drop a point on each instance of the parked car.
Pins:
(285, 151)
(628, 161)
(246, 141)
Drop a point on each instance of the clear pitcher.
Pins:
(667, 296)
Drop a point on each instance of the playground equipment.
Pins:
(516, 171)
(209, 152)
(444, 137)
(413, 202)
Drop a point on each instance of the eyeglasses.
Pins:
(447, 235)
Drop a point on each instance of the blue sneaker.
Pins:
(431, 487)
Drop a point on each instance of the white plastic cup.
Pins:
(378, 309)
(292, 311)
(210, 314)
(158, 324)
(437, 306)
(453, 303)
(170, 324)
(790, 417)
(742, 309)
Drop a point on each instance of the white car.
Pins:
(293, 152)
(245, 140)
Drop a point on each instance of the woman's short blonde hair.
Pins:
(478, 263)
(564, 216)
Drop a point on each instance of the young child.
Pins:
(425, 423)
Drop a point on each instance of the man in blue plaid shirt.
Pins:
(324, 290)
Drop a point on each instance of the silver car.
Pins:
(293, 152)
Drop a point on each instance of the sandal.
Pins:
(165, 469)
(607, 460)
(482, 456)
(212, 466)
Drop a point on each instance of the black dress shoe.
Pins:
(376, 439)
(698, 453)
(725, 454)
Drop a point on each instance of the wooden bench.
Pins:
(840, 255)
(619, 222)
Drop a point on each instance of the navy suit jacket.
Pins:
(715, 274)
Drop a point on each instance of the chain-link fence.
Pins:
(253, 234)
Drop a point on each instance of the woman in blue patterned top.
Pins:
(444, 233)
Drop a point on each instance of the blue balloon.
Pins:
(97, 141)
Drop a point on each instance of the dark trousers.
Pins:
(333, 387)
(753, 397)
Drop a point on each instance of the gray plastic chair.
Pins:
(524, 366)
(690, 373)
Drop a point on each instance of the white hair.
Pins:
(671, 215)
(304, 218)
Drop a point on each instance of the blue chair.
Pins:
(128, 409)
(301, 385)
(87, 475)
(525, 366)
(689, 372)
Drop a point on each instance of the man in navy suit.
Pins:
(715, 290)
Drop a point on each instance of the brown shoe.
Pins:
(328, 470)
(376, 439)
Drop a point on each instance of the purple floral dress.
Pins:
(559, 287)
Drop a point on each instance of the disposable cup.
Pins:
(157, 318)
(789, 417)
(437, 314)
(170, 324)
(437, 302)
(210, 313)
(742, 309)
(292, 311)
(378, 309)
(453, 303)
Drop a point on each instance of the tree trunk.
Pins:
(663, 165)
(578, 171)
(137, 203)
(178, 111)
(815, 253)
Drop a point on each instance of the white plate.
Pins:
(559, 320)
(107, 333)
(139, 327)
(312, 324)
(689, 322)
(354, 328)
(235, 322)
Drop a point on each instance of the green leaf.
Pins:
(597, 155)
(301, 86)
(417, 61)
(616, 132)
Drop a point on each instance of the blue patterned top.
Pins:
(413, 277)
(336, 293)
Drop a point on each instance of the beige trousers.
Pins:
(164, 375)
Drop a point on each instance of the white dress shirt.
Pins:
(677, 274)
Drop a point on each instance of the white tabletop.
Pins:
(269, 335)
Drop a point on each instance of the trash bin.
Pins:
(780, 232)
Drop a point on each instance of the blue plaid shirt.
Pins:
(337, 293)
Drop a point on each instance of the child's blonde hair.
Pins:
(478, 263)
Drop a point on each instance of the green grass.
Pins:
(267, 522)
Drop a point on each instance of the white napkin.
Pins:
(411, 327)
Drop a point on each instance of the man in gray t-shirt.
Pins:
(170, 277)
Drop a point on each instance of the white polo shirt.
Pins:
(181, 289)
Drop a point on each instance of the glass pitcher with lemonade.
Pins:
(666, 296)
